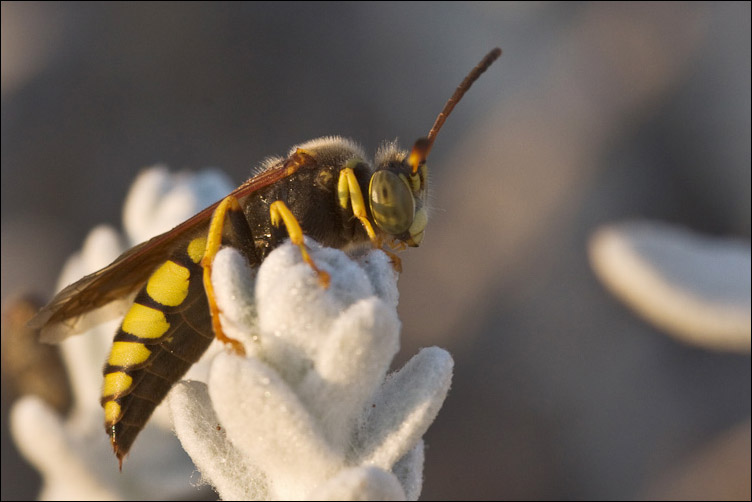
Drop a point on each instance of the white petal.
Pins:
(360, 483)
(143, 196)
(189, 194)
(695, 287)
(159, 200)
(409, 471)
(383, 277)
(84, 355)
(200, 433)
(73, 454)
(295, 311)
(404, 408)
(42, 438)
(100, 248)
(265, 419)
(353, 361)
(78, 464)
(234, 284)
(297, 425)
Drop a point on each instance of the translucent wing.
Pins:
(128, 273)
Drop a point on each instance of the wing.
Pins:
(128, 273)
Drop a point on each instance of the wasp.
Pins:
(324, 188)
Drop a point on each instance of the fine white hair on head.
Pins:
(389, 150)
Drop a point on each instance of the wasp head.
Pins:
(397, 192)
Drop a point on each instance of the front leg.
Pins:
(280, 213)
(350, 196)
(228, 208)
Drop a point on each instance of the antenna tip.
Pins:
(490, 57)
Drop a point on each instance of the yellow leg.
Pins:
(348, 189)
(280, 213)
(212, 247)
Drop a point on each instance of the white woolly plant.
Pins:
(694, 287)
(309, 412)
(73, 453)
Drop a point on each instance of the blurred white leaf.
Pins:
(695, 287)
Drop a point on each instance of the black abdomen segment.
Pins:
(164, 333)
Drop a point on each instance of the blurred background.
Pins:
(595, 113)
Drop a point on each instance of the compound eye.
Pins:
(392, 202)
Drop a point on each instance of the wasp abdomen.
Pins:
(163, 334)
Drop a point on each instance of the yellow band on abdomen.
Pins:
(145, 322)
(168, 285)
(111, 413)
(116, 383)
(127, 354)
(196, 249)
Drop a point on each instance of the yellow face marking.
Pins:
(145, 322)
(128, 354)
(419, 222)
(196, 249)
(116, 383)
(418, 226)
(414, 181)
(418, 180)
(111, 413)
(168, 285)
(415, 240)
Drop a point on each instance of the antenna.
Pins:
(423, 145)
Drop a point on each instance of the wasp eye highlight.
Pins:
(392, 202)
